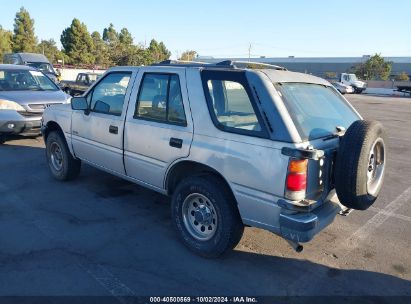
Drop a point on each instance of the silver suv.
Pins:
(233, 144)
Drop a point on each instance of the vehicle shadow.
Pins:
(101, 220)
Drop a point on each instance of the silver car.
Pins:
(24, 94)
(232, 145)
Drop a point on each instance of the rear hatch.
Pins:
(320, 115)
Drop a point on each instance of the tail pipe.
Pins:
(296, 246)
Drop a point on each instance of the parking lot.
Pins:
(100, 235)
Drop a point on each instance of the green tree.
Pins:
(49, 49)
(403, 76)
(158, 51)
(100, 50)
(77, 43)
(375, 68)
(24, 39)
(110, 34)
(330, 75)
(5, 42)
(188, 55)
(125, 37)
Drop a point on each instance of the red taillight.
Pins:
(296, 182)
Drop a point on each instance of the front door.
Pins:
(97, 134)
(159, 129)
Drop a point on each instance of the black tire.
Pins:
(358, 174)
(70, 167)
(229, 228)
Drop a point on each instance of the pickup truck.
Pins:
(80, 85)
(352, 80)
(232, 146)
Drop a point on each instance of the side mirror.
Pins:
(79, 103)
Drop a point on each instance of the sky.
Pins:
(228, 28)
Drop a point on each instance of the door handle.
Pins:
(113, 129)
(176, 142)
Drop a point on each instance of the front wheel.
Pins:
(62, 165)
(205, 216)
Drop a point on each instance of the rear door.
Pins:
(97, 136)
(158, 128)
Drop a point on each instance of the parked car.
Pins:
(231, 146)
(343, 88)
(24, 94)
(38, 61)
(80, 85)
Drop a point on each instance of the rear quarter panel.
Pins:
(254, 167)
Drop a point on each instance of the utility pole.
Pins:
(249, 52)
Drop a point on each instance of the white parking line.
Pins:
(398, 216)
(377, 220)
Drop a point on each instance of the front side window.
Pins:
(108, 95)
(160, 99)
(231, 104)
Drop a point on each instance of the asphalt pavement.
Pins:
(100, 235)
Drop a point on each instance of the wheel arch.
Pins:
(185, 168)
(53, 126)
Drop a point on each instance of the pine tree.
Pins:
(24, 39)
(77, 43)
(5, 42)
(100, 52)
(49, 49)
(158, 51)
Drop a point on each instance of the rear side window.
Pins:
(160, 99)
(315, 109)
(230, 103)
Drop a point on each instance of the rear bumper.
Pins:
(303, 226)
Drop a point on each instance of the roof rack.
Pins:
(181, 63)
(226, 64)
(249, 65)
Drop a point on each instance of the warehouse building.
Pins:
(323, 67)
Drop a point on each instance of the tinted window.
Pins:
(108, 95)
(160, 99)
(232, 105)
(316, 110)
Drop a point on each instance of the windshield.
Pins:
(315, 109)
(353, 77)
(92, 77)
(25, 80)
(42, 66)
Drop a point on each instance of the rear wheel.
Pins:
(62, 165)
(205, 216)
(360, 164)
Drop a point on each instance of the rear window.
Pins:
(315, 109)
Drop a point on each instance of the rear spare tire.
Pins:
(360, 164)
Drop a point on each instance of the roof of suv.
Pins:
(16, 67)
(275, 73)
